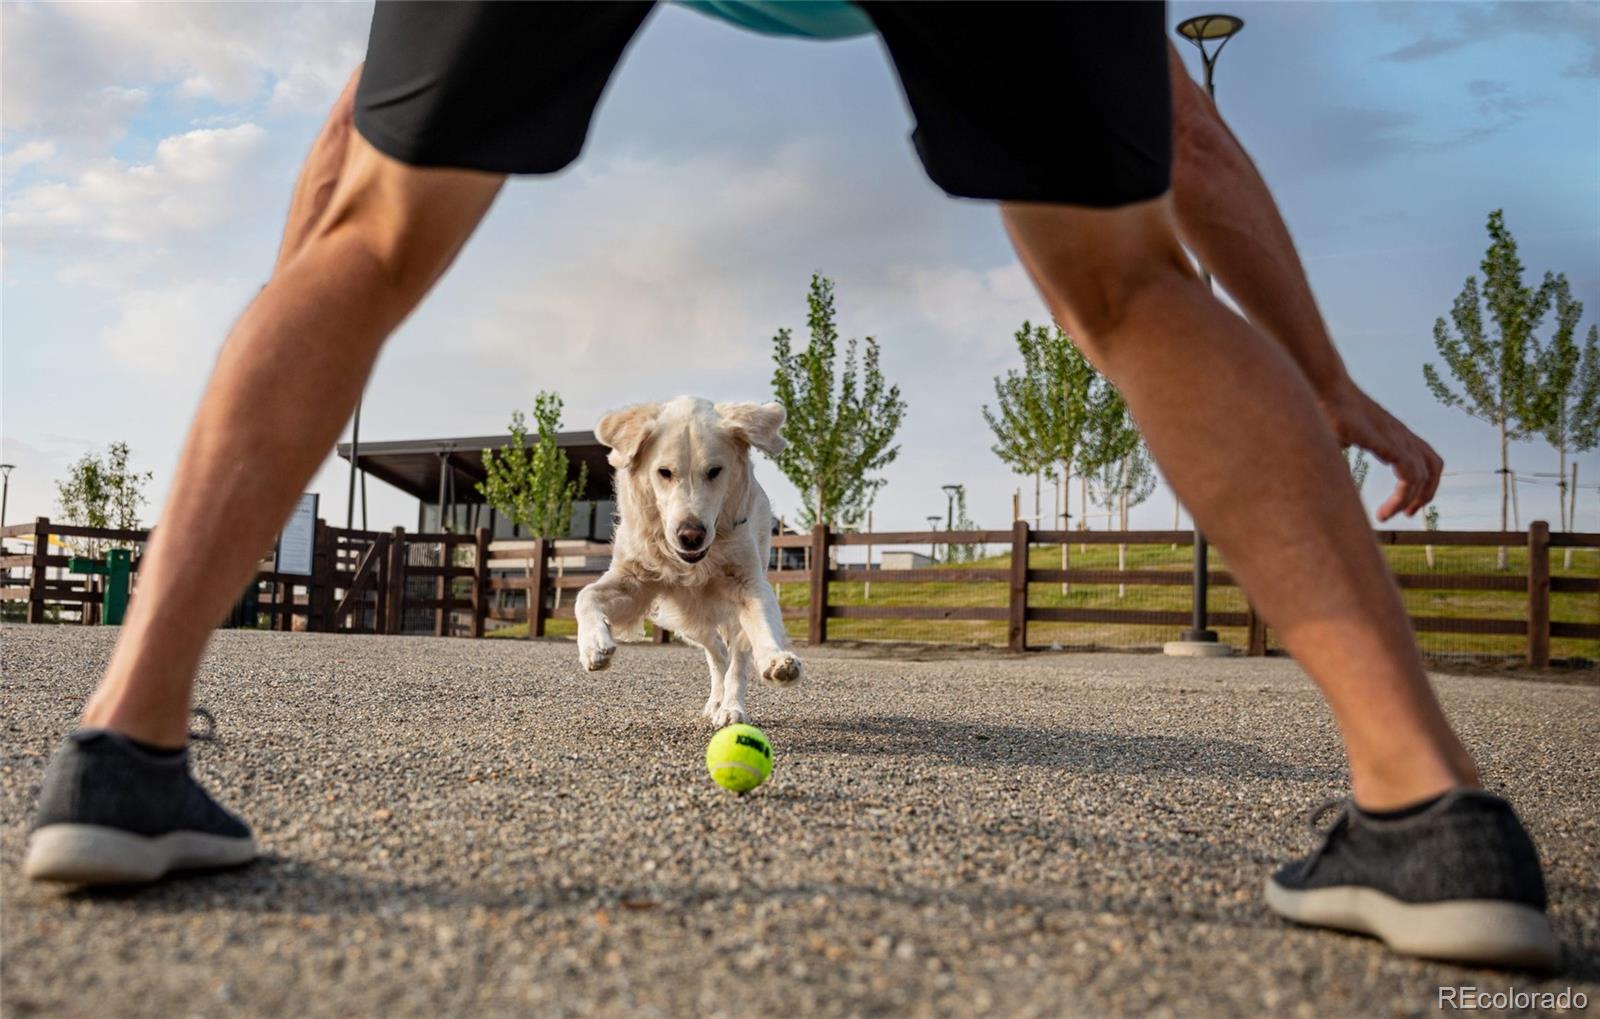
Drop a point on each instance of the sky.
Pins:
(147, 154)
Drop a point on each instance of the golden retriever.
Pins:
(693, 534)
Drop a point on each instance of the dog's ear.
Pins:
(625, 431)
(758, 424)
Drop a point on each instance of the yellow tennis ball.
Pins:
(739, 758)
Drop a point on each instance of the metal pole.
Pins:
(5, 492)
(1198, 631)
(5, 497)
(355, 455)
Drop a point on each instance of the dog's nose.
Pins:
(691, 533)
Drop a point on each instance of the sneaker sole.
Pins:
(1466, 930)
(96, 855)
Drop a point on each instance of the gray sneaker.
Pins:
(1458, 879)
(113, 813)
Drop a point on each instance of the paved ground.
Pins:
(458, 827)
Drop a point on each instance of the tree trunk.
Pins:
(1083, 510)
(527, 576)
(1572, 514)
(1122, 549)
(1066, 516)
(1505, 489)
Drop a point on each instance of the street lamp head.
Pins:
(952, 489)
(1209, 26)
(7, 468)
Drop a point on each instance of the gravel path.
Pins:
(476, 828)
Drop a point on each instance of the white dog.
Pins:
(690, 550)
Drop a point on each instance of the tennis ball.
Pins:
(739, 758)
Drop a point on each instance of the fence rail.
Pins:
(389, 582)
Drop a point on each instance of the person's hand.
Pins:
(1357, 420)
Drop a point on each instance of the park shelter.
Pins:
(443, 475)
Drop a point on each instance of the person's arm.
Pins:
(1227, 217)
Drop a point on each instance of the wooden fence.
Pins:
(368, 582)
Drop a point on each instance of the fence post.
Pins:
(817, 623)
(442, 588)
(1539, 594)
(1256, 646)
(319, 591)
(536, 588)
(1017, 630)
(395, 621)
(480, 580)
(40, 568)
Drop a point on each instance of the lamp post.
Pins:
(933, 546)
(950, 493)
(5, 496)
(5, 491)
(1199, 640)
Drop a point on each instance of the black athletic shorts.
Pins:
(1041, 102)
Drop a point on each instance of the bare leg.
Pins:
(285, 383)
(1233, 423)
(1227, 217)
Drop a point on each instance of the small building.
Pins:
(904, 559)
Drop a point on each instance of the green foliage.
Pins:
(1123, 475)
(1430, 518)
(1050, 413)
(528, 481)
(1497, 380)
(102, 492)
(962, 553)
(1355, 458)
(841, 422)
(1568, 393)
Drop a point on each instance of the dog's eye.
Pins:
(665, 473)
(712, 473)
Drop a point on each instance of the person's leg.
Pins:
(284, 385)
(1235, 428)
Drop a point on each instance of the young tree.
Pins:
(102, 492)
(968, 552)
(1044, 412)
(1568, 388)
(1498, 382)
(1126, 475)
(528, 482)
(841, 423)
(1430, 521)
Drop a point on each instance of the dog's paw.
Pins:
(729, 714)
(709, 712)
(595, 649)
(783, 668)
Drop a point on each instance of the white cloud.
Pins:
(27, 154)
(168, 337)
(77, 57)
(194, 182)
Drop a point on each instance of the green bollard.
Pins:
(117, 567)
